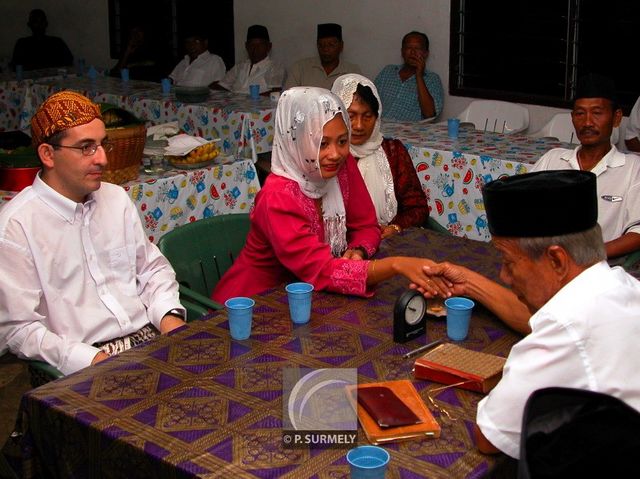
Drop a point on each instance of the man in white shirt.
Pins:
(79, 280)
(595, 114)
(199, 67)
(259, 69)
(584, 314)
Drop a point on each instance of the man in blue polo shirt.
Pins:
(409, 92)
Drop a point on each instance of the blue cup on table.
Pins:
(368, 462)
(19, 72)
(299, 295)
(458, 317)
(92, 73)
(166, 86)
(239, 314)
(453, 127)
(124, 74)
(254, 91)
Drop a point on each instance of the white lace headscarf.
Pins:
(300, 117)
(372, 161)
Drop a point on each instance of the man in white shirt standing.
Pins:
(259, 69)
(595, 114)
(79, 280)
(199, 67)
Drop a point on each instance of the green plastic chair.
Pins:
(200, 253)
(41, 373)
(432, 224)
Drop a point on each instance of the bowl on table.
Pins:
(192, 94)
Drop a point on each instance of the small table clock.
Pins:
(409, 316)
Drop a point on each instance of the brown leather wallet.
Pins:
(385, 408)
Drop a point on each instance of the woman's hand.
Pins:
(354, 254)
(389, 230)
(414, 269)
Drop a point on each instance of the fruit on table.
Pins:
(202, 153)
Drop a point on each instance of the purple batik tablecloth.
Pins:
(452, 172)
(197, 404)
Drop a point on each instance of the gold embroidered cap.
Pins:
(61, 111)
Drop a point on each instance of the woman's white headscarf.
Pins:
(300, 117)
(372, 161)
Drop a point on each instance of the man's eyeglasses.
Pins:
(89, 150)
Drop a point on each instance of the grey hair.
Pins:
(585, 247)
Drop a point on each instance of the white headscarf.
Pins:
(300, 117)
(372, 161)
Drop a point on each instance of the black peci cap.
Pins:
(258, 31)
(329, 30)
(544, 203)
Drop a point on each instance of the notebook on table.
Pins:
(464, 368)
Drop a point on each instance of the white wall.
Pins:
(372, 32)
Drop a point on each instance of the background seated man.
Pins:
(258, 69)
(632, 134)
(199, 67)
(40, 50)
(410, 92)
(79, 280)
(142, 56)
(584, 327)
(322, 70)
(595, 113)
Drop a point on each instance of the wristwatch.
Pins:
(176, 312)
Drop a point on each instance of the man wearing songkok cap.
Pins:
(595, 114)
(583, 314)
(322, 70)
(258, 69)
(410, 92)
(79, 280)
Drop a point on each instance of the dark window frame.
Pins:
(575, 38)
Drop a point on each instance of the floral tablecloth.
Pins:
(452, 172)
(245, 126)
(178, 197)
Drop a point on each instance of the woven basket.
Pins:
(126, 156)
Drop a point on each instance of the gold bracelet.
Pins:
(373, 266)
(395, 227)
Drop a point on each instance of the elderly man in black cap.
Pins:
(321, 71)
(258, 69)
(595, 113)
(584, 314)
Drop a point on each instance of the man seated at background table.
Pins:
(258, 69)
(584, 324)
(632, 133)
(199, 67)
(409, 91)
(79, 280)
(595, 114)
(322, 70)
(40, 50)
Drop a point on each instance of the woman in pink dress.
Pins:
(313, 220)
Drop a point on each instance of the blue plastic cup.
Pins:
(166, 86)
(92, 73)
(239, 313)
(124, 74)
(19, 72)
(254, 91)
(458, 317)
(368, 462)
(453, 127)
(299, 295)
